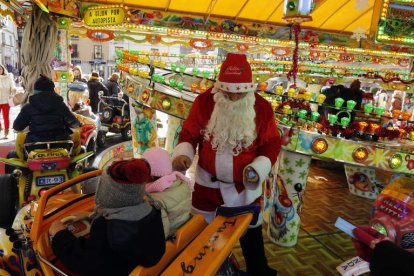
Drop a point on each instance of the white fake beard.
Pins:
(232, 124)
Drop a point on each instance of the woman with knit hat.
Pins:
(7, 90)
(170, 190)
(126, 230)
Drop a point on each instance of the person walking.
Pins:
(7, 90)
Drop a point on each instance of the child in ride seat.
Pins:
(170, 190)
(126, 230)
(47, 117)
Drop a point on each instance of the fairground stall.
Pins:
(295, 48)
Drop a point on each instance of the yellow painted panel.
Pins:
(330, 10)
(227, 7)
(190, 6)
(157, 4)
(278, 14)
(258, 9)
(364, 22)
(344, 16)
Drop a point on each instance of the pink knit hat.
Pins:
(159, 160)
(161, 166)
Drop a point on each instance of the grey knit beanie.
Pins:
(121, 185)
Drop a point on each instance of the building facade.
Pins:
(9, 50)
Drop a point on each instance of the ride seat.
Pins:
(184, 235)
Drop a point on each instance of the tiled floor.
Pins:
(321, 246)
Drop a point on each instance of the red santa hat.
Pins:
(235, 75)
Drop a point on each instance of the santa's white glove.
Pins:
(250, 176)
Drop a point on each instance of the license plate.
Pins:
(104, 128)
(50, 180)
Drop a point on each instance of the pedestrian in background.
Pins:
(77, 75)
(7, 91)
(94, 86)
(113, 85)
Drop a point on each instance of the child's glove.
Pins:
(367, 238)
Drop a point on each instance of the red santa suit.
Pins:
(219, 176)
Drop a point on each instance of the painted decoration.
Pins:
(144, 127)
(174, 128)
(60, 60)
(396, 23)
(268, 190)
(69, 8)
(100, 35)
(287, 198)
(10, 259)
(361, 181)
(118, 152)
(200, 44)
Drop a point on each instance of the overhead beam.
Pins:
(241, 9)
(376, 14)
(210, 9)
(168, 5)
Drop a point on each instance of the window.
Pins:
(74, 52)
(3, 38)
(10, 40)
(97, 51)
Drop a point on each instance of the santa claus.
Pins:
(238, 143)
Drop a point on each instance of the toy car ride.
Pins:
(114, 116)
(44, 165)
(26, 248)
(394, 212)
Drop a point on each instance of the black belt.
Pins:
(215, 179)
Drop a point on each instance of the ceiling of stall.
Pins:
(343, 16)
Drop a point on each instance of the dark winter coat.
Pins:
(94, 86)
(114, 247)
(113, 88)
(48, 118)
(390, 259)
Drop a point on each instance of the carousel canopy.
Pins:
(347, 16)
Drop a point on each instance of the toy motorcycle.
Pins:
(114, 116)
(44, 165)
(27, 250)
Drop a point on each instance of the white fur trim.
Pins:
(249, 196)
(228, 191)
(236, 87)
(183, 148)
(208, 215)
(230, 195)
(203, 178)
(262, 166)
(224, 165)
